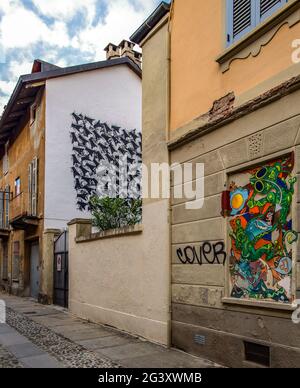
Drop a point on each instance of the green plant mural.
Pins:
(261, 233)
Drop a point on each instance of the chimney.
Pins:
(124, 49)
(112, 51)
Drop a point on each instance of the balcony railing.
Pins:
(19, 206)
(3, 224)
(16, 212)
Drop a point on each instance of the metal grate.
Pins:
(200, 339)
(259, 354)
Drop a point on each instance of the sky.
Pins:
(62, 32)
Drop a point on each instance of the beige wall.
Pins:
(125, 281)
(198, 38)
(118, 282)
(198, 291)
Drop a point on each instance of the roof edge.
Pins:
(61, 72)
(156, 16)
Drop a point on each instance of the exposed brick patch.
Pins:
(222, 107)
(219, 115)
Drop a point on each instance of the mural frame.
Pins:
(273, 305)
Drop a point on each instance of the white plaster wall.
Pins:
(123, 281)
(112, 95)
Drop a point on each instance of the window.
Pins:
(17, 187)
(33, 110)
(244, 15)
(32, 186)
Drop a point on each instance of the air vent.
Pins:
(258, 354)
(200, 339)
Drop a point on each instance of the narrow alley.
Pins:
(37, 336)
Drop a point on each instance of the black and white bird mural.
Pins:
(106, 160)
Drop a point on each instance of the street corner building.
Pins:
(229, 85)
(53, 132)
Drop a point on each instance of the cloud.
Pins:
(32, 30)
(122, 19)
(64, 32)
(67, 9)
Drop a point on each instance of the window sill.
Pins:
(259, 304)
(252, 43)
(114, 233)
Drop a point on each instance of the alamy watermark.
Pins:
(2, 312)
(296, 51)
(156, 181)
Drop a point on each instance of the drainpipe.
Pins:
(168, 106)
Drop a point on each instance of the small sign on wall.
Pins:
(59, 263)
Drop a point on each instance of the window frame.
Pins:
(33, 113)
(17, 186)
(256, 19)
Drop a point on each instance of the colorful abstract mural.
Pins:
(261, 232)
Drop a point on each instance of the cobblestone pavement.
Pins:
(70, 354)
(7, 360)
(37, 336)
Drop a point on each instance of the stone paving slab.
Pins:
(5, 329)
(40, 362)
(24, 350)
(54, 320)
(81, 335)
(133, 350)
(106, 342)
(13, 338)
(166, 360)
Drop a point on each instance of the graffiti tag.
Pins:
(206, 254)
